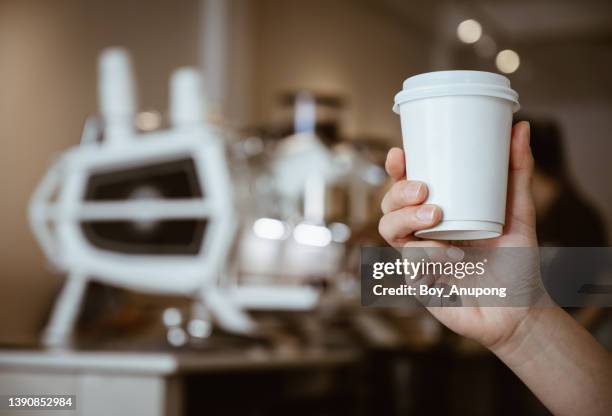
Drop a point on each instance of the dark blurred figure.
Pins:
(564, 217)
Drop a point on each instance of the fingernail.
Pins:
(426, 213)
(412, 190)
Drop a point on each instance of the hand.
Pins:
(404, 213)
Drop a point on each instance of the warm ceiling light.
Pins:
(507, 61)
(148, 120)
(469, 31)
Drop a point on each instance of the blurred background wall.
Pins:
(360, 50)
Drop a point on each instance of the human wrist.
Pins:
(524, 339)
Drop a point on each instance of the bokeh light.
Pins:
(507, 61)
(148, 120)
(469, 31)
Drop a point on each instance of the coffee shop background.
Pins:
(352, 53)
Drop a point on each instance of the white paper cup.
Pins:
(456, 127)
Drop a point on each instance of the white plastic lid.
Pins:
(442, 83)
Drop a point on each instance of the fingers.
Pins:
(402, 194)
(402, 218)
(398, 226)
(396, 164)
(521, 159)
(520, 200)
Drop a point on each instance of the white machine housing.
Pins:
(58, 204)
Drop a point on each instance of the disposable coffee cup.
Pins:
(456, 128)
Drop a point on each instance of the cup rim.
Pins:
(449, 83)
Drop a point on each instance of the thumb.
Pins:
(521, 211)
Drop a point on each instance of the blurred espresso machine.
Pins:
(151, 212)
(235, 224)
(309, 197)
